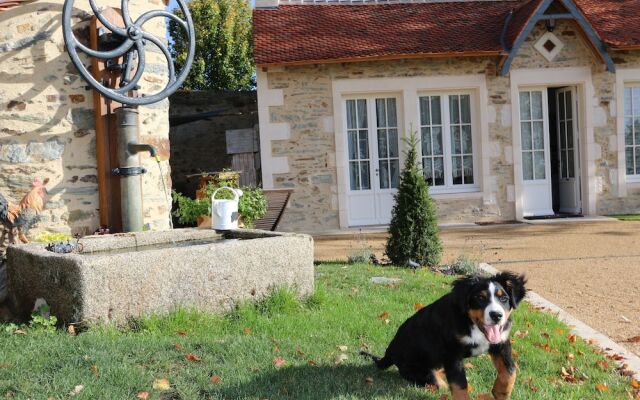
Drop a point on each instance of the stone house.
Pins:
(523, 108)
(47, 119)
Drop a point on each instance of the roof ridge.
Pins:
(276, 3)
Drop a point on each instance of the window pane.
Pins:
(436, 110)
(382, 143)
(454, 111)
(457, 170)
(636, 101)
(353, 145)
(438, 171)
(561, 105)
(381, 113)
(393, 142)
(525, 132)
(351, 114)
(468, 170)
(629, 159)
(527, 166)
(628, 131)
(467, 145)
(570, 135)
(456, 146)
(363, 144)
(536, 104)
(628, 111)
(525, 106)
(571, 164)
(563, 136)
(362, 114)
(563, 164)
(539, 165)
(354, 175)
(637, 151)
(383, 172)
(427, 170)
(465, 108)
(538, 135)
(636, 131)
(426, 141)
(569, 105)
(425, 112)
(395, 173)
(392, 117)
(436, 136)
(364, 175)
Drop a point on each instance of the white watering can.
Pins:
(224, 212)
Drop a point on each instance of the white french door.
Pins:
(534, 148)
(373, 157)
(569, 176)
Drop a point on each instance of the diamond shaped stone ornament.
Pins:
(549, 46)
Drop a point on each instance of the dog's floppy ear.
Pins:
(462, 290)
(514, 284)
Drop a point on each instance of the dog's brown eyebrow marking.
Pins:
(483, 294)
(500, 293)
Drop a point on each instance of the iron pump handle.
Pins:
(130, 41)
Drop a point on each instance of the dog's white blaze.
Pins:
(478, 340)
(494, 305)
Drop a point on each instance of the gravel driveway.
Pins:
(591, 269)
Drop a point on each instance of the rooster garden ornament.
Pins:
(17, 219)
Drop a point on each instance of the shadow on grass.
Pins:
(310, 382)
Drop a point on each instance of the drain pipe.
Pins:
(129, 169)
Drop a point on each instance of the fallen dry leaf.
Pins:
(181, 333)
(560, 331)
(72, 330)
(76, 390)
(521, 334)
(299, 352)
(616, 357)
(418, 306)
(340, 359)
(572, 338)
(369, 380)
(431, 388)
(215, 379)
(4, 366)
(247, 331)
(343, 348)
(94, 369)
(469, 365)
(568, 376)
(444, 397)
(602, 387)
(635, 339)
(571, 356)
(469, 388)
(161, 384)
(178, 347)
(279, 362)
(484, 396)
(19, 332)
(635, 384)
(383, 316)
(602, 364)
(531, 386)
(192, 357)
(312, 363)
(143, 395)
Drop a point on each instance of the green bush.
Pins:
(252, 205)
(464, 265)
(413, 232)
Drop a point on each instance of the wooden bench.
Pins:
(277, 200)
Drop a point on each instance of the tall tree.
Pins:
(413, 231)
(223, 59)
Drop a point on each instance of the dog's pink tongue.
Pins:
(493, 333)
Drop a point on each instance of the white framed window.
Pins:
(532, 135)
(632, 132)
(447, 142)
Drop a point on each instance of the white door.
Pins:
(373, 158)
(569, 176)
(534, 146)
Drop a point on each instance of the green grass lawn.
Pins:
(307, 340)
(626, 217)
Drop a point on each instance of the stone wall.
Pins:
(200, 146)
(47, 122)
(310, 150)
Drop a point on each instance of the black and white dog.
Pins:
(474, 318)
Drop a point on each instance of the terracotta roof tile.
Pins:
(307, 33)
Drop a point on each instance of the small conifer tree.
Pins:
(413, 232)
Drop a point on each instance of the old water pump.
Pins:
(122, 46)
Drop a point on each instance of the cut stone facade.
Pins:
(47, 120)
(306, 110)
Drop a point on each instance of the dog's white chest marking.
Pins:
(477, 340)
